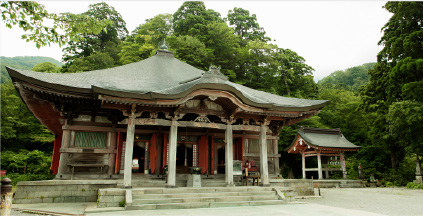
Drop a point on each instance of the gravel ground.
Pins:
(388, 201)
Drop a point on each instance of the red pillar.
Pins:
(212, 156)
(153, 153)
(54, 167)
(119, 152)
(239, 148)
(202, 154)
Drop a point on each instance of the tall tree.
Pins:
(145, 39)
(192, 19)
(246, 26)
(105, 42)
(399, 65)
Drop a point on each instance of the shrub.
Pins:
(122, 203)
(413, 185)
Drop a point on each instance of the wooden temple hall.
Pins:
(327, 145)
(155, 115)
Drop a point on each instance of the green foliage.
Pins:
(46, 67)
(100, 47)
(413, 185)
(246, 26)
(30, 17)
(352, 78)
(122, 203)
(26, 165)
(25, 62)
(399, 68)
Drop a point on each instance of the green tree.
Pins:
(405, 125)
(106, 42)
(246, 26)
(145, 39)
(30, 16)
(46, 67)
(192, 19)
(190, 50)
(399, 65)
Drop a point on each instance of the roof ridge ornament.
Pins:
(214, 71)
(163, 49)
(163, 45)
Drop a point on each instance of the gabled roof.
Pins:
(159, 77)
(324, 139)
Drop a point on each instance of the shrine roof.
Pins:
(318, 138)
(159, 77)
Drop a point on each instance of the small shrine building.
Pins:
(318, 142)
(154, 114)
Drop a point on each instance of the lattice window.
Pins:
(90, 139)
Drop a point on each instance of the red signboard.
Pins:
(3, 172)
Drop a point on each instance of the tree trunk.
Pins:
(394, 158)
(288, 92)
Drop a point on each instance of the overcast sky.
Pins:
(330, 35)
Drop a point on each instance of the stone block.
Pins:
(58, 199)
(48, 200)
(80, 199)
(71, 187)
(76, 193)
(118, 198)
(101, 205)
(105, 198)
(91, 199)
(102, 192)
(69, 199)
(112, 204)
(115, 192)
(36, 200)
(194, 180)
(66, 193)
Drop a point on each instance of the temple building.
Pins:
(157, 114)
(318, 142)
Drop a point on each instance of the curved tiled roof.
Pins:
(328, 138)
(160, 76)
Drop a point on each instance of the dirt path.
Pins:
(388, 201)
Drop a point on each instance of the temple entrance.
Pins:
(220, 159)
(138, 157)
(183, 158)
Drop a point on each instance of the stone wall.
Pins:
(60, 191)
(300, 187)
(110, 197)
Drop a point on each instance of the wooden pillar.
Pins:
(54, 167)
(303, 164)
(186, 156)
(276, 160)
(173, 133)
(344, 170)
(63, 162)
(264, 172)
(112, 156)
(327, 171)
(319, 165)
(129, 149)
(146, 158)
(229, 156)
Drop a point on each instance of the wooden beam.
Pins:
(87, 151)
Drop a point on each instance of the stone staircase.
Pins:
(205, 197)
(181, 180)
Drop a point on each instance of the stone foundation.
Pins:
(300, 187)
(110, 197)
(337, 183)
(60, 191)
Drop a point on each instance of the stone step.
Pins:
(202, 205)
(188, 195)
(205, 199)
(137, 191)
